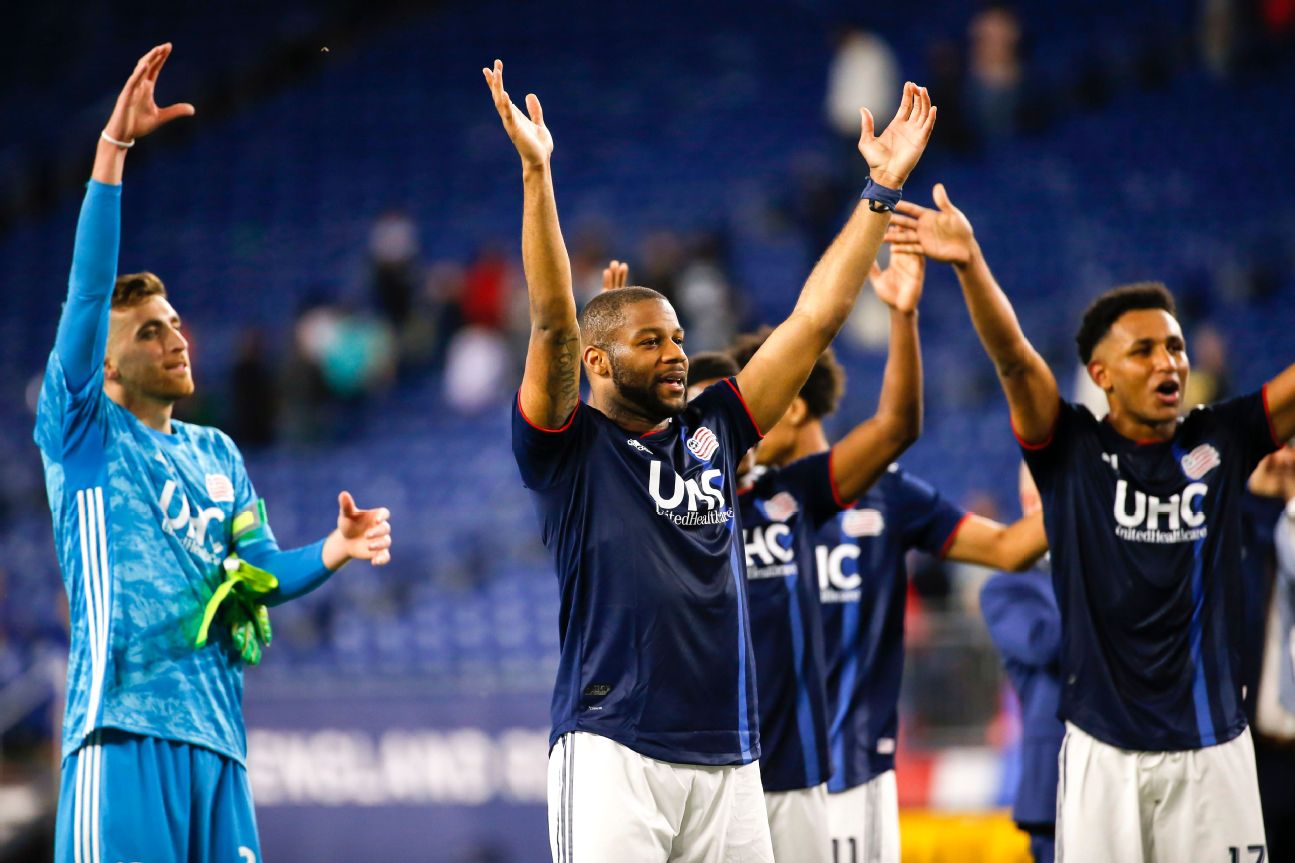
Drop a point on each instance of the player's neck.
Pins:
(810, 440)
(1137, 429)
(149, 411)
(627, 416)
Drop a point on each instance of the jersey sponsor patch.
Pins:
(1201, 461)
(219, 488)
(703, 443)
(863, 522)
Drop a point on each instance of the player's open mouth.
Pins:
(673, 382)
(178, 368)
(1169, 392)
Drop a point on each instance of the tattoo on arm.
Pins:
(564, 374)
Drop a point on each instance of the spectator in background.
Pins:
(704, 297)
(393, 251)
(994, 73)
(1209, 381)
(484, 302)
(864, 73)
(253, 392)
(1021, 612)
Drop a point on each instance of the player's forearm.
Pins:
(544, 255)
(109, 163)
(299, 570)
(900, 404)
(834, 283)
(1023, 542)
(82, 328)
(993, 317)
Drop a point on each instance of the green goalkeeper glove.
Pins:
(248, 619)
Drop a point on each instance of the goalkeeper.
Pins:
(146, 510)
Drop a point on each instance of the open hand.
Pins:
(529, 135)
(362, 534)
(900, 284)
(136, 113)
(943, 235)
(616, 275)
(893, 154)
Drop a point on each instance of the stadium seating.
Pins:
(253, 214)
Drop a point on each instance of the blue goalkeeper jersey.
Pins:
(779, 513)
(142, 522)
(655, 646)
(863, 583)
(1146, 561)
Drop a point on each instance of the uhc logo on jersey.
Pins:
(1201, 461)
(701, 498)
(862, 522)
(703, 443)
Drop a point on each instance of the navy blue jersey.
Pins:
(655, 646)
(779, 515)
(1146, 561)
(862, 584)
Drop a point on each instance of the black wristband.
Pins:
(881, 199)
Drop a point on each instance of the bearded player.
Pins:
(655, 732)
(154, 520)
(1143, 512)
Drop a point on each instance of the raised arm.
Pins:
(1280, 393)
(945, 235)
(551, 382)
(776, 373)
(83, 327)
(863, 454)
(1011, 547)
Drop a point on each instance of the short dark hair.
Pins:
(1104, 311)
(134, 288)
(822, 389)
(711, 366)
(605, 313)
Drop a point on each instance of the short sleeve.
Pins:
(928, 519)
(546, 457)
(1247, 423)
(1045, 457)
(64, 416)
(722, 405)
(810, 481)
(250, 520)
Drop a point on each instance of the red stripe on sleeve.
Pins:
(564, 427)
(733, 386)
(953, 534)
(831, 480)
(1043, 444)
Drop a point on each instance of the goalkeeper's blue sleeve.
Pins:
(83, 328)
(299, 570)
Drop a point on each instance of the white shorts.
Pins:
(608, 803)
(798, 825)
(1123, 806)
(863, 822)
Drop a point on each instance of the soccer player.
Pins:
(1143, 514)
(1021, 613)
(146, 509)
(779, 511)
(862, 584)
(655, 732)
